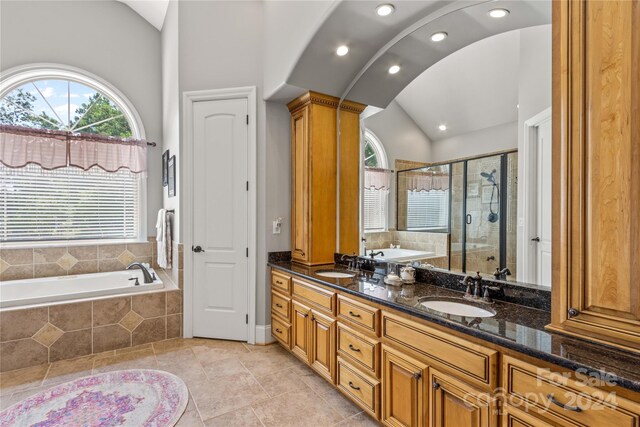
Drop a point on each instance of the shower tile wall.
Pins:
(512, 212)
(457, 215)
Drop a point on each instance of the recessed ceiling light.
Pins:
(385, 9)
(342, 50)
(498, 13)
(394, 69)
(442, 127)
(438, 37)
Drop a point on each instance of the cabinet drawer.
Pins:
(470, 361)
(359, 314)
(281, 331)
(281, 305)
(362, 389)
(281, 282)
(314, 295)
(512, 417)
(359, 349)
(541, 391)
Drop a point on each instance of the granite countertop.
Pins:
(514, 326)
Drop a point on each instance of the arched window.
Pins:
(69, 203)
(376, 202)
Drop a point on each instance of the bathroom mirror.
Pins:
(456, 143)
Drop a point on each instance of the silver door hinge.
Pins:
(246, 318)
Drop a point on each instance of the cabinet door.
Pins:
(453, 403)
(403, 389)
(300, 331)
(322, 355)
(596, 230)
(300, 185)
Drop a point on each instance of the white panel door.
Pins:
(220, 219)
(543, 214)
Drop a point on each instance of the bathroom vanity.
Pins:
(407, 365)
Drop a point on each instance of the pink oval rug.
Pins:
(137, 397)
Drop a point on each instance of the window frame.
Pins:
(373, 140)
(18, 76)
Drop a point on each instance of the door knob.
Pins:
(197, 249)
(535, 239)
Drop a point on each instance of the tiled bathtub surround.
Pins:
(29, 263)
(437, 243)
(34, 336)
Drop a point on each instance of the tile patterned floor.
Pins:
(230, 383)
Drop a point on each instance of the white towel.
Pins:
(164, 238)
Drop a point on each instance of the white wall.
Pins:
(221, 46)
(402, 140)
(289, 26)
(106, 38)
(483, 141)
(171, 109)
(534, 97)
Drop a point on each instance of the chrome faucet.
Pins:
(147, 276)
(353, 261)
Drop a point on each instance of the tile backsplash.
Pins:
(29, 263)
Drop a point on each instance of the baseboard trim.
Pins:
(263, 335)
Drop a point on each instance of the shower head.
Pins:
(489, 176)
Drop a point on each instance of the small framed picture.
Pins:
(171, 176)
(165, 168)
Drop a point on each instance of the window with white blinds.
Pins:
(427, 210)
(68, 204)
(375, 210)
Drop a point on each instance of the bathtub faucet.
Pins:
(145, 272)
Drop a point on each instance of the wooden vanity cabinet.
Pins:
(300, 330)
(404, 388)
(322, 354)
(596, 186)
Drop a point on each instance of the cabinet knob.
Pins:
(435, 385)
(417, 375)
(573, 312)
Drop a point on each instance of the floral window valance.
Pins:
(427, 181)
(52, 149)
(377, 179)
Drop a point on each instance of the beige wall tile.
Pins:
(110, 311)
(150, 330)
(70, 345)
(110, 337)
(17, 256)
(131, 320)
(174, 326)
(17, 272)
(149, 305)
(106, 265)
(47, 255)
(70, 317)
(48, 335)
(48, 270)
(84, 267)
(21, 354)
(84, 253)
(174, 302)
(19, 324)
(140, 249)
(110, 251)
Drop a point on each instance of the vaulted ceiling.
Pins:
(153, 11)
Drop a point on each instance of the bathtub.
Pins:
(401, 255)
(69, 288)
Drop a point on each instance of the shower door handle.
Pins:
(469, 218)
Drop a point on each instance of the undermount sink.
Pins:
(335, 274)
(457, 308)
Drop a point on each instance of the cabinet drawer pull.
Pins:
(353, 386)
(278, 305)
(352, 348)
(279, 282)
(354, 314)
(562, 405)
(278, 331)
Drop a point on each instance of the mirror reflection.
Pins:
(456, 169)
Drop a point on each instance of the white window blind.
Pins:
(68, 204)
(427, 210)
(375, 210)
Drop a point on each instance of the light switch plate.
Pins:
(276, 227)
